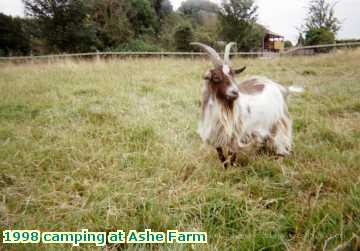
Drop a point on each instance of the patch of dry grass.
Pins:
(113, 145)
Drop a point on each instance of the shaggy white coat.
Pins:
(251, 121)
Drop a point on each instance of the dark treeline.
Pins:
(71, 26)
(64, 26)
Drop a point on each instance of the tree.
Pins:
(129, 25)
(183, 37)
(321, 14)
(65, 24)
(288, 44)
(143, 18)
(33, 31)
(112, 25)
(204, 36)
(169, 24)
(198, 10)
(301, 40)
(13, 38)
(318, 36)
(162, 8)
(321, 23)
(202, 15)
(238, 24)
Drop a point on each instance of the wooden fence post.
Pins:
(97, 56)
(31, 57)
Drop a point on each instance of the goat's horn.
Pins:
(227, 52)
(215, 58)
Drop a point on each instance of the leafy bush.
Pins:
(319, 36)
(183, 37)
(138, 45)
(288, 44)
(143, 17)
(13, 39)
(206, 37)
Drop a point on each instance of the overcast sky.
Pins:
(280, 16)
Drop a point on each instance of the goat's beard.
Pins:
(231, 121)
(227, 119)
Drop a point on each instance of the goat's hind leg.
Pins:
(222, 156)
(282, 141)
(232, 157)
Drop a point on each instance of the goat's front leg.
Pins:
(232, 158)
(221, 156)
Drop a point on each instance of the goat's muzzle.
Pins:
(233, 95)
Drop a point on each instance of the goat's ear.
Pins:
(238, 71)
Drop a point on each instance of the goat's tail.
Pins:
(296, 89)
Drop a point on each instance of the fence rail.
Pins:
(346, 45)
(182, 54)
(99, 54)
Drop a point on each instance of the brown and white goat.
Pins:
(252, 113)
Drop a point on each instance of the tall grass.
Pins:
(113, 145)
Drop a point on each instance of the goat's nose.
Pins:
(235, 93)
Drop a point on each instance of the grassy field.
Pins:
(113, 145)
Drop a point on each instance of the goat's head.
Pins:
(221, 80)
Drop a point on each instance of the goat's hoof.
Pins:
(282, 156)
(235, 164)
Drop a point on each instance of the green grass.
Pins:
(113, 145)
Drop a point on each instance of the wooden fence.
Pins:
(305, 49)
(101, 55)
